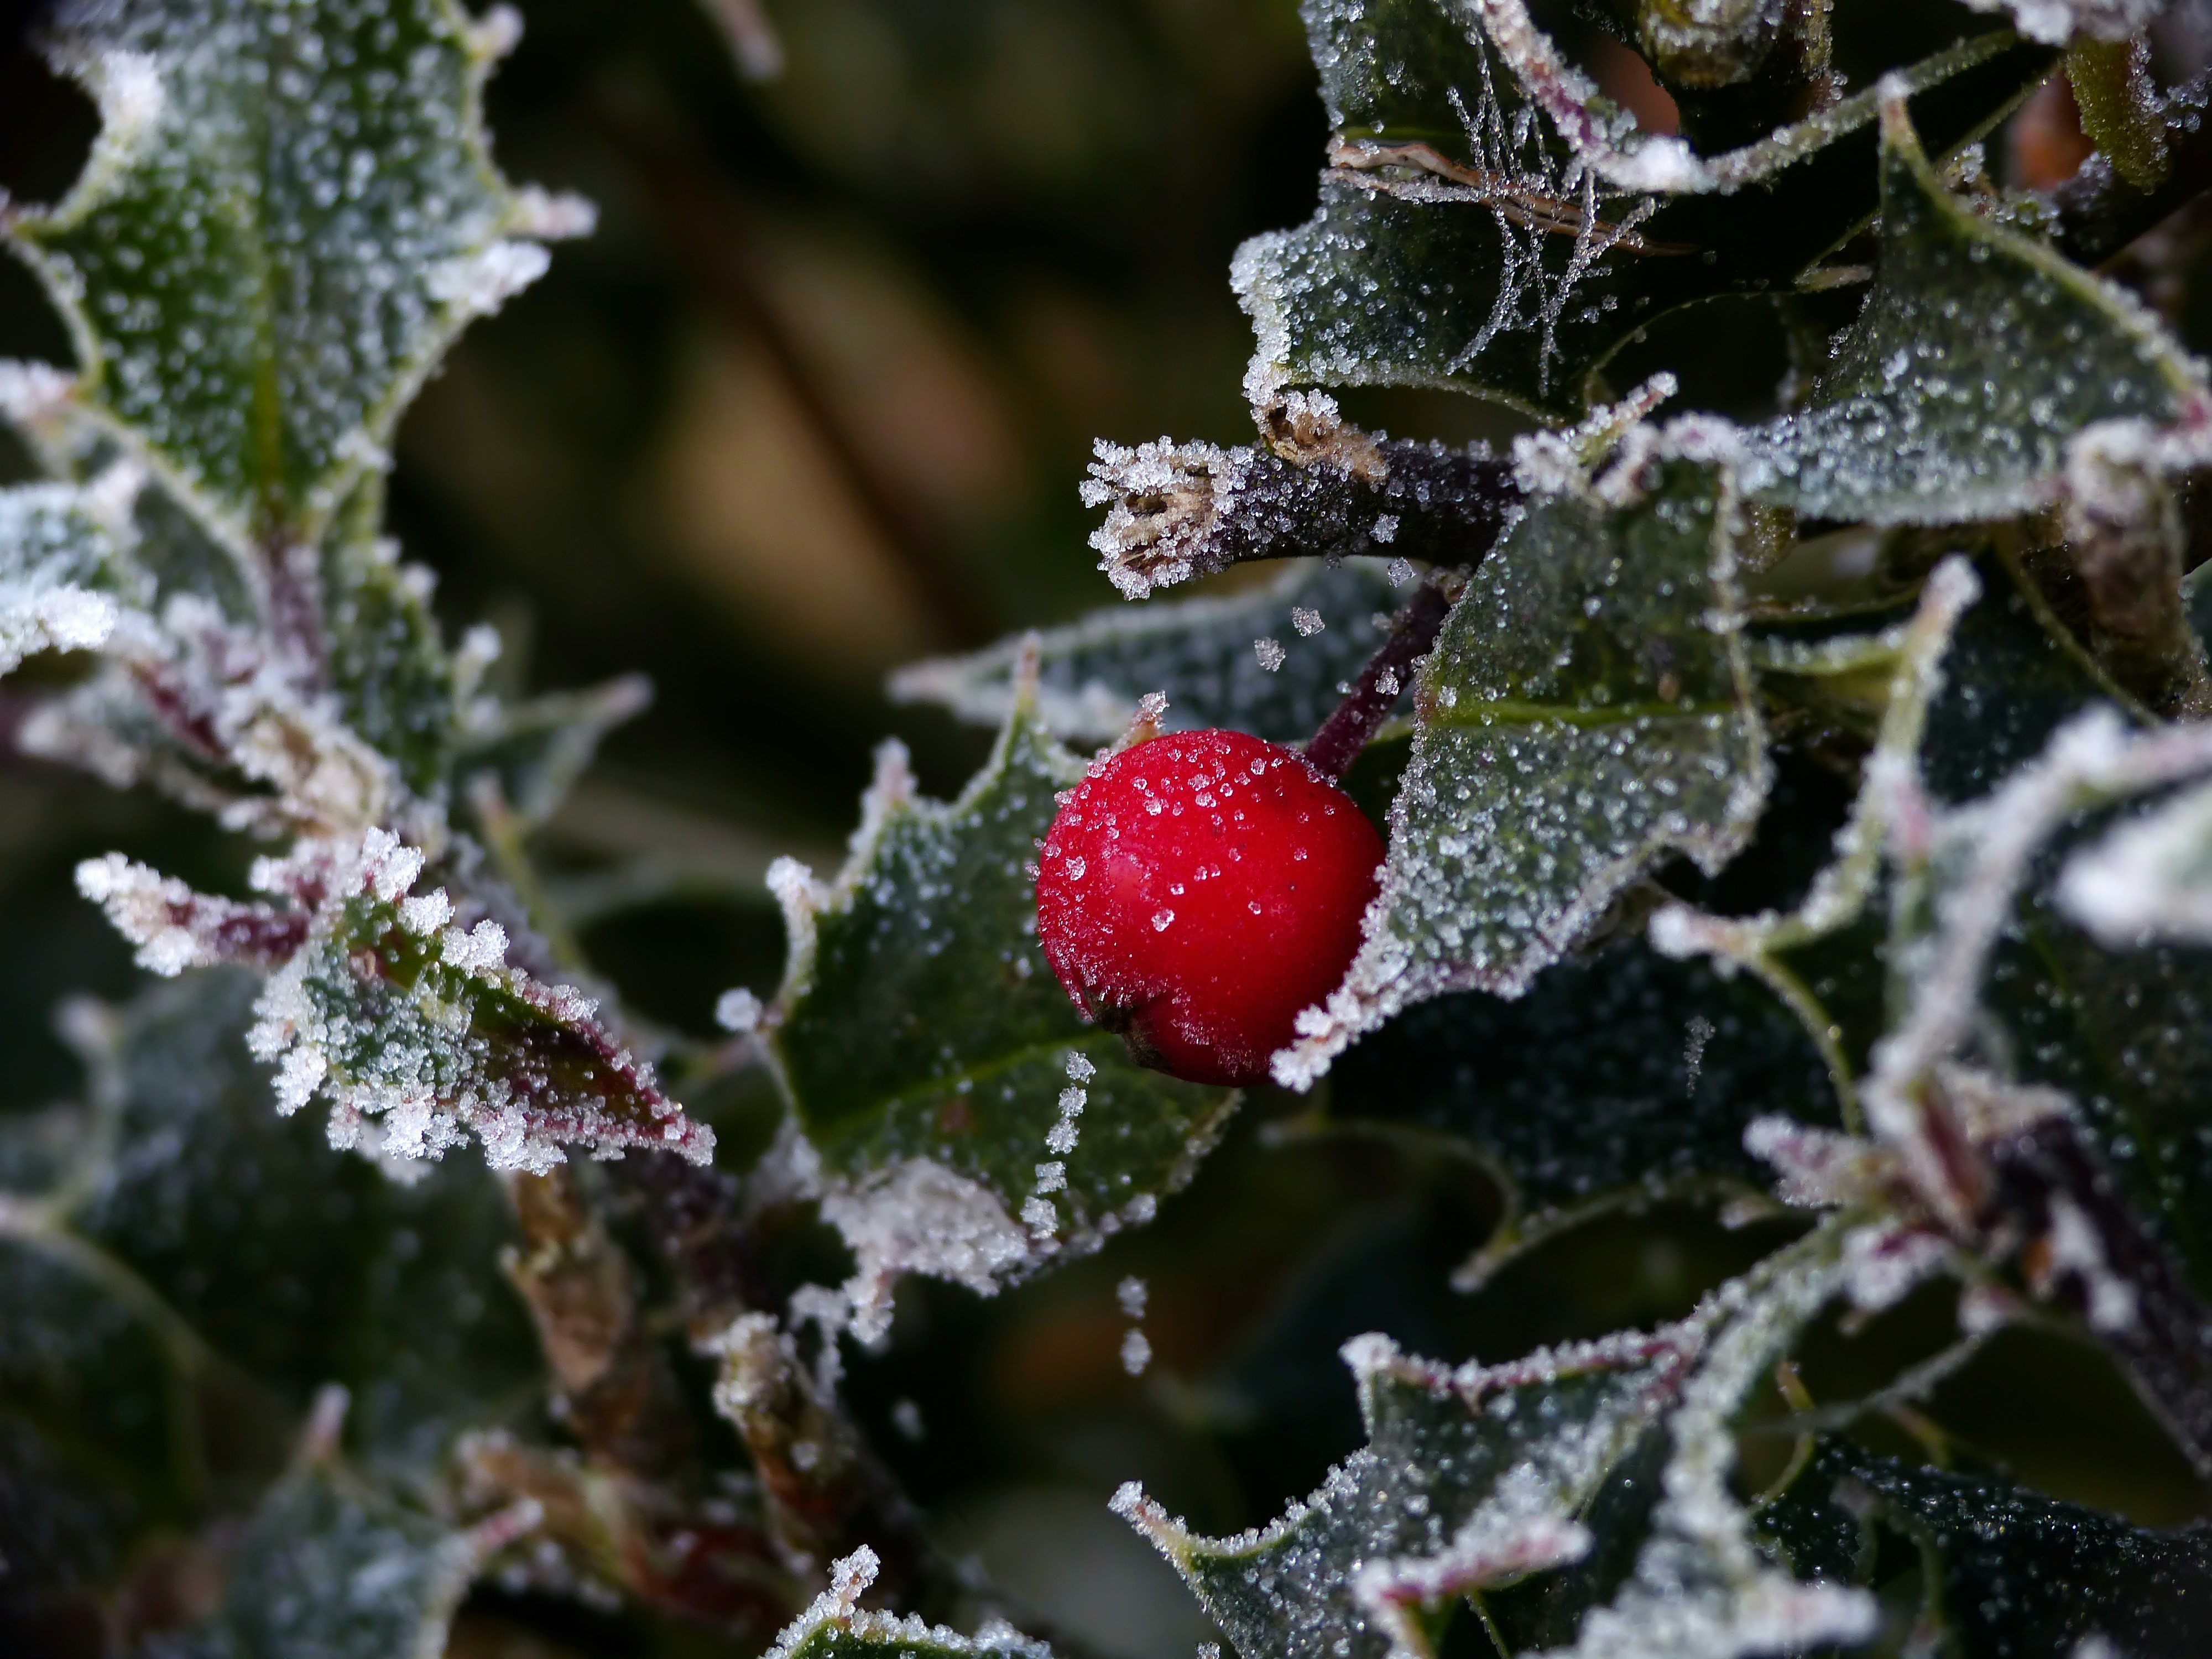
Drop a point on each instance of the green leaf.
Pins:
(64, 573)
(1980, 353)
(1623, 1076)
(2010, 1574)
(401, 690)
(1199, 651)
(421, 1034)
(1701, 1588)
(329, 1569)
(1476, 1478)
(1470, 1478)
(838, 1627)
(1492, 225)
(1587, 710)
(942, 1076)
(289, 212)
(298, 1263)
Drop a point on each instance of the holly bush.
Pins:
(1777, 1047)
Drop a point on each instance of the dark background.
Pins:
(814, 401)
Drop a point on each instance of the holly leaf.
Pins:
(298, 1263)
(330, 1568)
(2008, 1572)
(64, 570)
(943, 1079)
(1619, 1076)
(1471, 1477)
(1587, 710)
(421, 1034)
(1477, 1479)
(1980, 353)
(1209, 656)
(1490, 224)
(288, 215)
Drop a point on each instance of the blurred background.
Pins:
(813, 402)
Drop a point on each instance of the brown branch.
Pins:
(2081, 1243)
(1413, 633)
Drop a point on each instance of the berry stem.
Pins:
(1414, 631)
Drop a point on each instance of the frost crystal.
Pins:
(1136, 1353)
(1131, 1294)
(1270, 654)
(1308, 622)
(737, 1010)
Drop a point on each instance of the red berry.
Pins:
(1196, 891)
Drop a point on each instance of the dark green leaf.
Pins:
(1979, 355)
(1587, 709)
(1466, 240)
(934, 1062)
(2011, 1573)
(330, 1569)
(289, 212)
(1624, 1074)
(298, 1263)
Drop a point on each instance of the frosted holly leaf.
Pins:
(1199, 652)
(1702, 1588)
(421, 1035)
(65, 570)
(1490, 223)
(533, 751)
(933, 1061)
(836, 1626)
(2009, 1571)
(329, 1568)
(228, 1212)
(1587, 709)
(1471, 1477)
(1980, 353)
(288, 214)
(1621, 1077)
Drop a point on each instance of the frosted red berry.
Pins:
(1198, 890)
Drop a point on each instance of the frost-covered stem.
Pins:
(620, 1397)
(2099, 212)
(1177, 511)
(1413, 633)
(2082, 1241)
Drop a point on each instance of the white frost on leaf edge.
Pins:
(838, 1610)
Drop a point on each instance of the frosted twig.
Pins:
(1413, 633)
(1176, 511)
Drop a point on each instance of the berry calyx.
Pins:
(1198, 890)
